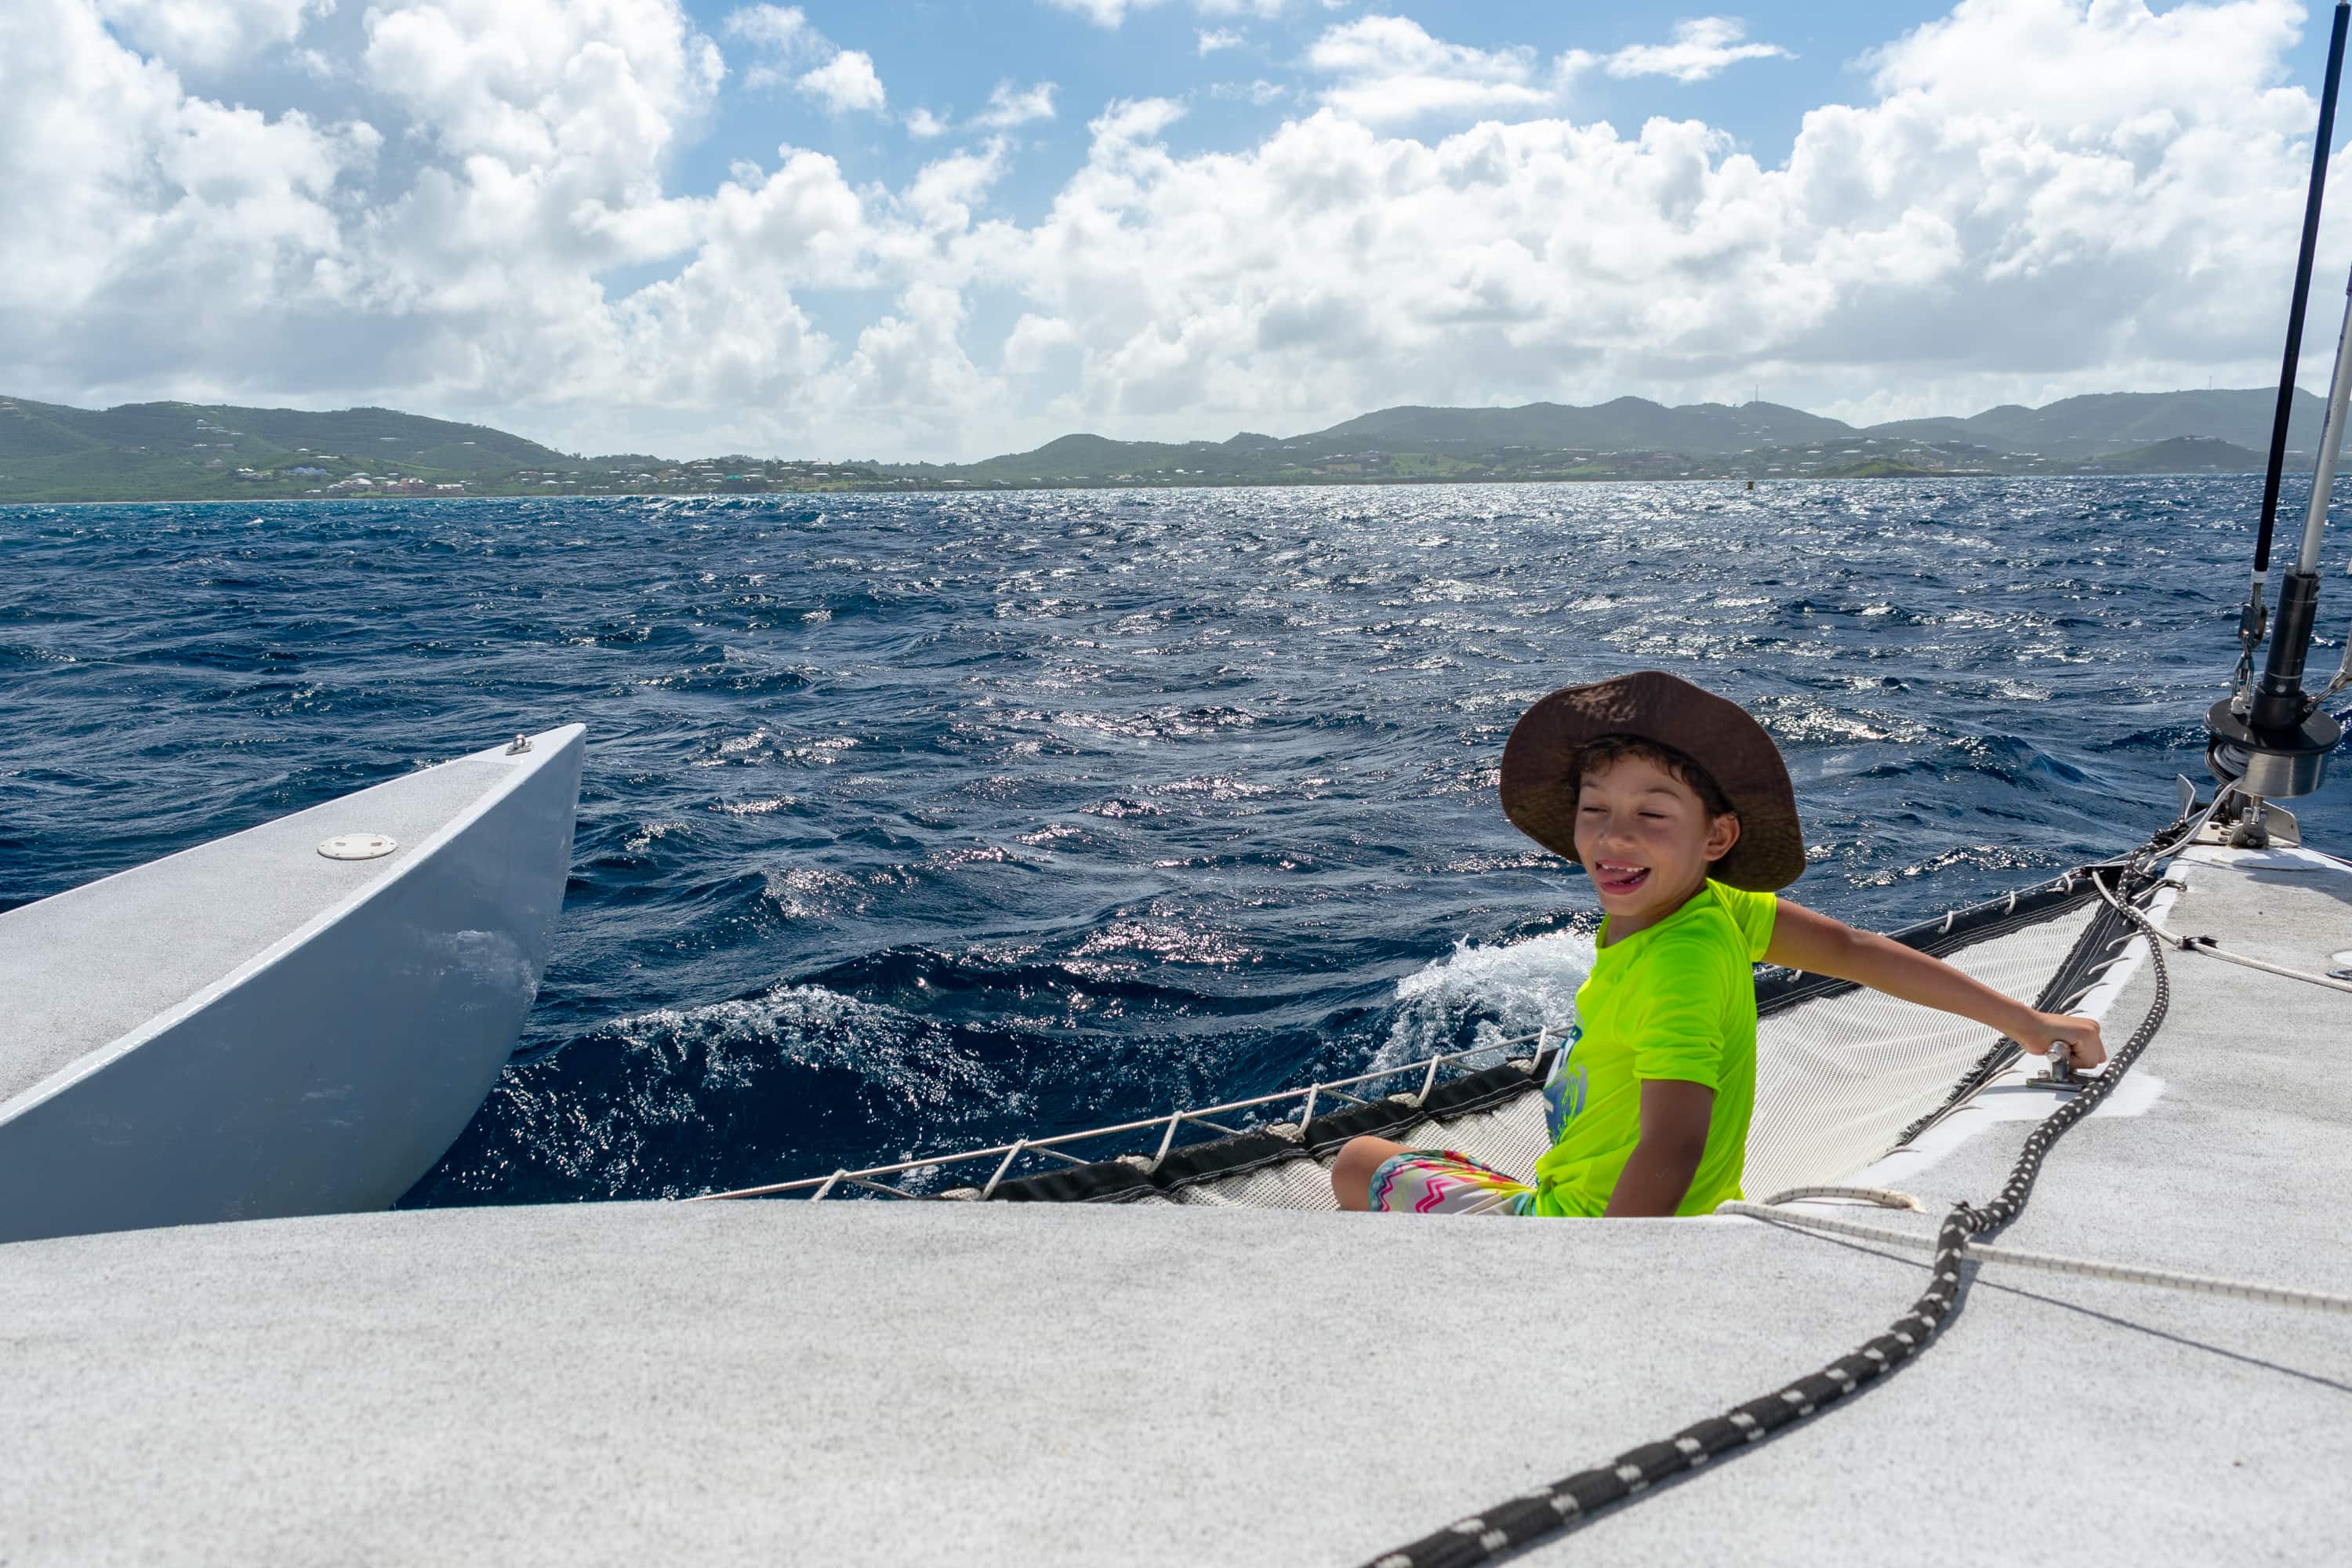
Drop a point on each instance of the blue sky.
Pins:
(948, 56)
(944, 228)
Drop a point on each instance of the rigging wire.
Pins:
(2088, 1267)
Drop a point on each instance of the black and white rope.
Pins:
(1572, 1500)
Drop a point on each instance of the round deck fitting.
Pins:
(2275, 764)
(358, 846)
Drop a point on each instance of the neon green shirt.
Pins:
(1677, 1001)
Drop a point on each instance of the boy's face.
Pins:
(1647, 840)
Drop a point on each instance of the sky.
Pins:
(941, 229)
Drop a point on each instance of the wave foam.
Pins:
(1514, 989)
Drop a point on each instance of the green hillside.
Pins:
(1634, 437)
(2183, 454)
(1539, 440)
(2109, 422)
(192, 451)
(186, 451)
(1624, 424)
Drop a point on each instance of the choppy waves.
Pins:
(920, 822)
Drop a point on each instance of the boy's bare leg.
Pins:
(1351, 1172)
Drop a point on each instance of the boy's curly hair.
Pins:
(1604, 750)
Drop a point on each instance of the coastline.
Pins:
(1048, 486)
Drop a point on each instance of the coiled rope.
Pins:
(1574, 1499)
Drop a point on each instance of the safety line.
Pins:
(1169, 1122)
(2211, 949)
(2149, 855)
(2089, 1267)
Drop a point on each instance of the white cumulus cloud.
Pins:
(844, 82)
(167, 222)
(1009, 106)
(2022, 199)
(1699, 49)
(789, 49)
(208, 34)
(1111, 14)
(1389, 70)
(782, 32)
(1104, 13)
(1943, 241)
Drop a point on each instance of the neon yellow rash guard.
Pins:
(1677, 1001)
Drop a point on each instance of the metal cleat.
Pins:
(2062, 1076)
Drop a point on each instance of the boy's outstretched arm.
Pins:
(1658, 1172)
(1803, 939)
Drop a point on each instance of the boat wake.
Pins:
(1481, 995)
(672, 1101)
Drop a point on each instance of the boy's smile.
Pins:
(1647, 839)
(1618, 878)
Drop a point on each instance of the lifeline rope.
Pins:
(2088, 1267)
(1574, 1499)
(2211, 949)
(2147, 855)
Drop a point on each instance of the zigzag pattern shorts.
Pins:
(1439, 1181)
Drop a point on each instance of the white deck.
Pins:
(249, 1029)
(883, 1383)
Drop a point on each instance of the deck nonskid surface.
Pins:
(876, 1382)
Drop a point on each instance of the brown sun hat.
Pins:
(1539, 771)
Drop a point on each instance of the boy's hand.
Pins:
(2083, 1047)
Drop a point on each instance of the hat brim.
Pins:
(1539, 767)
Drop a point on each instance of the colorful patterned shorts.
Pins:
(1439, 1181)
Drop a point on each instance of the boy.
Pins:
(1678, 805)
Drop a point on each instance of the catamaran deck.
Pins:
(880, 1383)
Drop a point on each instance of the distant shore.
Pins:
(160, 453)
(259, 497)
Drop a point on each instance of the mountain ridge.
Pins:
(2084, 425)
(173, 451)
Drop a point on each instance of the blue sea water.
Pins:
(915, 822)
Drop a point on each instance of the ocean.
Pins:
(917, 822)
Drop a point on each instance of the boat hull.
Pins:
(323, 1072)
